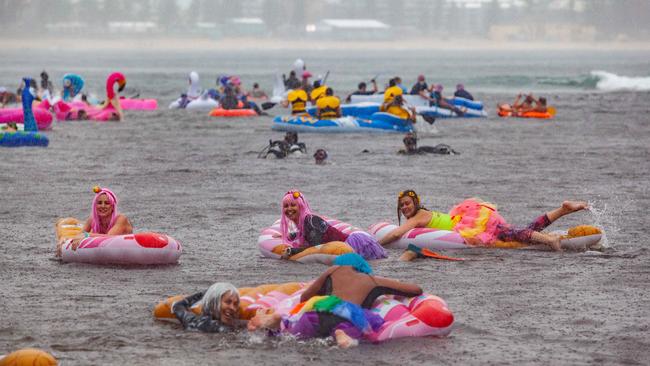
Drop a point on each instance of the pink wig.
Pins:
(304, 210)
(95, 227)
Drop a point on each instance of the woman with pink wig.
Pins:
(104, 218)
(313, 230)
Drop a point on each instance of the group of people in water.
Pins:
(348, 284)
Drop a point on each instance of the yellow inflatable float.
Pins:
(28, 357)
(250, 299)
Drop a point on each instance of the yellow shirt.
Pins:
(318, 92)
(328, 106)
(392, 92)
(298, 100)
(398, 111)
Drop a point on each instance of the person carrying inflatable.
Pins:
(313, 230)
(396, 108)
(329, 106)
(337, 303)
(297, 98)
(219, 309)
(392, 91)
(104, 218)
(478, 222)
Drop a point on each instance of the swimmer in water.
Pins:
(219, 309)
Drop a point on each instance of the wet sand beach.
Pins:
(198, 179)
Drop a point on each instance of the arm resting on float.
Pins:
(122, 226)
(395, 287)
(402, 229)
(315, 286)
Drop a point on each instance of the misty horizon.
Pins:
(332, 20)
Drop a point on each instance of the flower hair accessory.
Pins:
(96, 189)
(296, 194)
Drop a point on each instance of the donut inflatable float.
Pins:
(270, 244)
(135, 249)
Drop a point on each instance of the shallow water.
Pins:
(198, 179)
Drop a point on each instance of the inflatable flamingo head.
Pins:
(115, 78)
(194, 77)
(294, 198)
(112, 201)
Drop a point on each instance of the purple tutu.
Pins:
(366, 246)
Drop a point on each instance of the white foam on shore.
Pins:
(612, 82)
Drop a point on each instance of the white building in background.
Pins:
(349, 29)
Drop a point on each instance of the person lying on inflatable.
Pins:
(313, 230)
(478, 222)
(219, 309)
(104, 218)
(337, 304)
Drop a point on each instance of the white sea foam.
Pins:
(608, 81)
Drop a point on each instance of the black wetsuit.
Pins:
(191, 321)
(442, 149)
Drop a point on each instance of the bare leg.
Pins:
(343, 340)
(553, 241)
(408, 256)
(566, 208)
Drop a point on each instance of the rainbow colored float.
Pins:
(577, 238)
(420, 316)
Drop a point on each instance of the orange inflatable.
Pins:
(505, 110)
(28, 357)
(220, 112)
(247, 296)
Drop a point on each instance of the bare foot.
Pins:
(263, 320)
(343, 340)
(554, 242)
(408, 256)
(573, 206)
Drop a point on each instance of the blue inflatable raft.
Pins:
(378, 122)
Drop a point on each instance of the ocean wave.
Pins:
(611, 82)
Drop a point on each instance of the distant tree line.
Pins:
(611, 18)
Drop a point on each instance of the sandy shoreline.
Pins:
(249, 44)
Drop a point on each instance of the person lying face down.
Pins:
(219, 309)
(337, 303)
